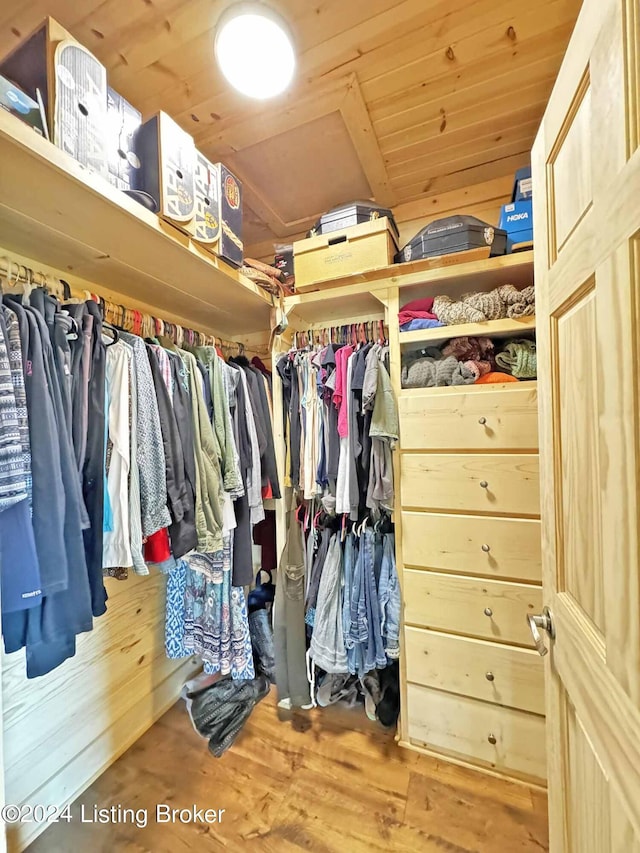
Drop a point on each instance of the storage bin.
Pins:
(73, 87)
(358, 249)
(168, 163)
(123, 124)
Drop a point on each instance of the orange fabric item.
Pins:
(490, 378)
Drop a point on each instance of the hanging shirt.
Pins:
(117, 541)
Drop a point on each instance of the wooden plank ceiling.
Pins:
(397, 100)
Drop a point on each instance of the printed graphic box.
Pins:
(73, 86)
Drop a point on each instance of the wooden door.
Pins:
(586, 167)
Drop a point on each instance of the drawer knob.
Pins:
(484, 484)
(482, 421)
(486, 548)
(490, 676)
(492, 739)
(488, 611)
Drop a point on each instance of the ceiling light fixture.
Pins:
(254, 50)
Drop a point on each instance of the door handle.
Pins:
(544, 621)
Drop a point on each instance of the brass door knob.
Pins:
(492, 739)
(484, 484)
(482, 421)
(490, 676)
(486, 548)
(488, 611)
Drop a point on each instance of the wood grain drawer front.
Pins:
(469, 544)
(490, 483)
(490, 610)
(489, 671)
(479, 420)
(505, 739)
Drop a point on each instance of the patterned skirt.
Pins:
(207, 616)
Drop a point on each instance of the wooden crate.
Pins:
(358, 249)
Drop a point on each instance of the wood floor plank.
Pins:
(322, 781)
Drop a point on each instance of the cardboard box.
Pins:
(523, 185)
(167, 155)
(123, 124)
(205, 225)
(358, 249)
(73, 86)
(517, 221)
(19, 104)
(230, 246)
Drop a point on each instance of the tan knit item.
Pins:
(489, 304)
(452, 313)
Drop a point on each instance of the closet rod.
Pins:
(353, 333)
(14, 273)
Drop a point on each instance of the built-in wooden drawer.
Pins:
(481, 419)
(491, 610)
(483, 670)
(492, 483)
(502, 738)
(470, 544)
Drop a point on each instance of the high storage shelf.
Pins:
(56, 212)
(364, 295)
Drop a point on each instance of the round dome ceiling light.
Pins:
(254, 50)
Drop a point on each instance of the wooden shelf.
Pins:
(364, 294)
(490, 329)
(457, 389)
(56, 212)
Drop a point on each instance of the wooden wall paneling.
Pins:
(480, 41)
(407, 150)
(64, 729)
(107, 746)
(490, 137)
(535, 58)
(483, 170)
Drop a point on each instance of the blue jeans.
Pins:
(389, 599)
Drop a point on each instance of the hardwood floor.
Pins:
(327, 780)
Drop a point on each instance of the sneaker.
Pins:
(372, 694)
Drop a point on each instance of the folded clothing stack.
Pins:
(418, 315)
(468, 360)
(504, 301)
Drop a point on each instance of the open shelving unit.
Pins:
(365, 294)
(55, 211)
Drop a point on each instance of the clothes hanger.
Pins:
(114, 332)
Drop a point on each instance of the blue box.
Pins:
(517, 220)
(523, 185)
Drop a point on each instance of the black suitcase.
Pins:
(453, 234)
(346, 215)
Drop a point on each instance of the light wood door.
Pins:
(586, 171)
